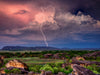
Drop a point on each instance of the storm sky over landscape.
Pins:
(65, 23)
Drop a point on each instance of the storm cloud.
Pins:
(20, 21)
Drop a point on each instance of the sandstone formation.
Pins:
(17, 64)
(79, 70)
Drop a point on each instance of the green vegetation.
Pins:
(94, 68)
(37, 62)
(15, 71)
(34, 60)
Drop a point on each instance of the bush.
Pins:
(66, 71)
(35, 68)
(58, 64)
(7, 71)
(16, 71)
(47, 68)
(56, 70)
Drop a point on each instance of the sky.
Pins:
(56, 23)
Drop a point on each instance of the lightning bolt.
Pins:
(44, 37)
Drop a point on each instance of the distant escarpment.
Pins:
(28, 48)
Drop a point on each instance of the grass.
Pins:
(35, 60)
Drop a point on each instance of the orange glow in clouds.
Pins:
(45, 16)
(11, 10)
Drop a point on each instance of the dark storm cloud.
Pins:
(66, 21)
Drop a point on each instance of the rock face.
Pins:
(17, 64)
(79, 70)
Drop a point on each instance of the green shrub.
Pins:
(58, 64)
(66, 71)
(16, 71)
(7, 71)
(33, 69)
(47, 68)
(56, 70)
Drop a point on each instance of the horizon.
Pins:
(51, 47)
(50, 23)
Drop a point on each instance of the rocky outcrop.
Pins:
(59, 56)
(31, 73)
(48, 55)
(78, 58)
(1, 60)
(94, 54)
(85, 63)
(17, 64)
(2, 71)
(46, 72)
(61, 73)
(79, 70)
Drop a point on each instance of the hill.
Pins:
(15, 48)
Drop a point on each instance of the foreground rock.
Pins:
(79, 70)
(17, 64)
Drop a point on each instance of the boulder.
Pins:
(48, 73)
(31, 73)
(79, 70)
(17, 64)
(61, 73)
(2, 71)
(42, 72)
